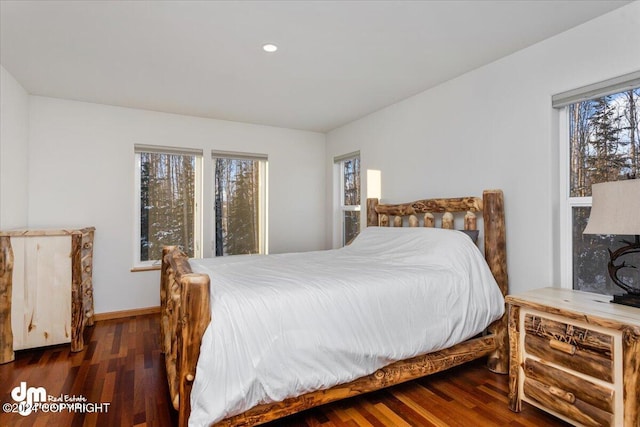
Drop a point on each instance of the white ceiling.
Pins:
(338, 60)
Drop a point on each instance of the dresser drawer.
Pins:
(576, 348)
(581, 400)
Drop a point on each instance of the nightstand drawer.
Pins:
(577, 398)
(570, 346)
(578, 411)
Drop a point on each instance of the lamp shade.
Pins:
(615, 208)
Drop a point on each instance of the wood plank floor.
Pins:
(122, 366)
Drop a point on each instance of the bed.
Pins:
(242, 367)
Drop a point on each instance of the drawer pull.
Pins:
(562, 346)
(564, 395)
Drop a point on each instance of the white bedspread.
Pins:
(283, 325)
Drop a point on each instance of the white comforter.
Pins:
(283, 325)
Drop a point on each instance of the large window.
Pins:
(349, 195)
(239, 203)
(603, 144)
(168, 194)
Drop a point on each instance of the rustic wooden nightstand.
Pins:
(575, 355)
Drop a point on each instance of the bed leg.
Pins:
(195, 315)
(498, 360)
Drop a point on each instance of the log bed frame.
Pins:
(186, 313)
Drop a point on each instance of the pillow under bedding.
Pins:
(473, 234)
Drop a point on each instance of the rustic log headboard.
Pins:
(379, 214)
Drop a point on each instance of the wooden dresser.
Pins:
(575, 355)
(46, 290)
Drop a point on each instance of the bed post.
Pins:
(186, 313)
(195, 315)
(372, 215)
(170, 324)
(496, 255)
(165, 285)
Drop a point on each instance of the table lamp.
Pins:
(615, 209)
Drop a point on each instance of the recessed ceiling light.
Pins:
(269, 47)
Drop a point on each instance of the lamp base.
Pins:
(627, 299)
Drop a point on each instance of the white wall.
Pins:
(494, 128)
(491, 128)
(81, 173)
(14, 137)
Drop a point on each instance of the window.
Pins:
(167, 202)
(239, 203)
(349, 165)
(602, 134)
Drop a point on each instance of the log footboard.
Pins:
(395, 373)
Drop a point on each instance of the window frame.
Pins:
(340, 162)
(263, 173)
(138, 264)
(567, 203)
(561, 103)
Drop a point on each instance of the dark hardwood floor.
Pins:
(122, 367)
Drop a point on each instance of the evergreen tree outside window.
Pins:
(349, 195)
(167, 202)
(603, 135)
(239, 203)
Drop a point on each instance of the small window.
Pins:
(349, 195)
(168, 194)
(239, 203)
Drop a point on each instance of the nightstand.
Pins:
(575, 355)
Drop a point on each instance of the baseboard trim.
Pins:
(125, 313)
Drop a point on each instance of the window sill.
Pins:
(146, 268)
